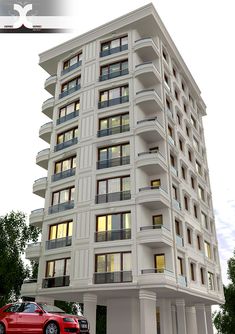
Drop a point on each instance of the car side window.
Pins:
(29, 308)
(14, 308)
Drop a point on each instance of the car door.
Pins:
(11, 317)
(29, 321)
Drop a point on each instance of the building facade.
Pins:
(128, 219)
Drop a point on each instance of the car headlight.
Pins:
(68, 320)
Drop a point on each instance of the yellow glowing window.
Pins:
(101, 224)
(53, 232)
(160, 262)
(70, 229)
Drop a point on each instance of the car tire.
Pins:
(51, 328)
(2, 329)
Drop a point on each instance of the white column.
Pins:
(201, 319)
(209, 320)
(181, 319)
(174, 322)
(44, 300)
(191, 321)
(148, 323)
(90, 302)
(165, 316)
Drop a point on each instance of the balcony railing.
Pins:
(112, 131)
(182, 280)
(112, 75)
(179, 240)
(151, 227)
(34, 244)
(113, 102)
(66, 144)
(55, 282)
(113, 277)
(113, 162)
(67, 117)
(69, 91)
(113, 235)
(113, 50)
(69, 69)
(151, 152)
(30, 280)
(63, 175)
(58, 243)
(176, 204)
(150, 188)
(157, 271)
(61, 207)
(113, 197)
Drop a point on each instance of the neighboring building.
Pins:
(128, 219)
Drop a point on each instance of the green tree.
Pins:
(224, 319)
(14, 236)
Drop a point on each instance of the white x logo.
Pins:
(23, 20)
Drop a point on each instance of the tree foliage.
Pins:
(224, 319)
(14, 236)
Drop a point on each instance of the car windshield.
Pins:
(51, 308)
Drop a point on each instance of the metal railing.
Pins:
(113, 277)
(179, 240)
(113, 50)
(63, 175)
(113, 162)
(151, 227)
(34, 244)
(112, 75)
(113, 197)
(55, 282)
(69, 69)
(157, 271)
(67, 117)
(113, 235)
(69, 91)
(158, 153)
(66, 144)
(61, 207)
(113, 102)
(182, 280)
(58, 243)
(42, 179)
(113, 130)
(37, 211)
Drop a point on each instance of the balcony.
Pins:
(113, 75)
(32, 251)
(153, 197)
(61, 207)
(113, 102)
(113, 50)
(113, 131)
(151, 162)
(63, 175)
(45, 132)
(156, 276)
(68, 117)
(154, 236)
(29, 287)
(113, 277)
(39, 187)
(55, 282)
(71, 68)
(36, 218)
(113, 197)
(182, 280)
(179, 240)
(174, 171)
(150, 129)
(66, 144)
(146, 49)
(113, 235)
(149, 101)
(171, 141)
(42, 158)
(148, 74)
(59, 243)
(120, 161)
(176, 204)
(47, 107)
(69, 91)
(50, 84)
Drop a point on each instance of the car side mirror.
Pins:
(38, 311)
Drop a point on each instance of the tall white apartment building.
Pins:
(128, 219)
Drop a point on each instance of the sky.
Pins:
(203, 33)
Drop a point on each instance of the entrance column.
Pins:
(181, 319)
(165, 316)
(148, 324)
(90, 302)
(209, 320)
(201, 319)
(191, 321)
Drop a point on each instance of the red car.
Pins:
(37, 318)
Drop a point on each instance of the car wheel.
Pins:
(2, 329)
(51, 328)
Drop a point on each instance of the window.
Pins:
(195, 211)
(72, 61)
(185, 108)
(57, 268)
(113, 227)
(167, 81)
(113, 189)
(191, 101)
(178, 118)
(160, 263)
(114, 124)
(198, 167)
(207, 248)
(177, 227)
(192, 182)
(113, 156)
(183, 172)
(170, 131)
(114, 45)
(65, 165)
(114, 96)
(189, 236)
(192, 271)
(61, 230)
(187, 131)
(114, 70)
(196, 144)
(174, 191)
(168, 104)
(67, 136)
(183, 86)
(155, 183)
(186, 203)
(190, 155)
(71, 84)
(198, 242)
(181, 145)
(63, 196)
(215, 253)
(157, 221)
(67, 111)
(174, 72)
(202, 274)
(194, 122)
(201, 193)
(176, 94)
(211, 284)
(180, 266)
(29, 308)
(164, 54)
